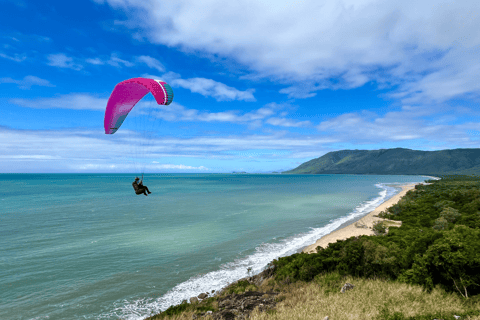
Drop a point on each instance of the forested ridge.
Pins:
(399, 161)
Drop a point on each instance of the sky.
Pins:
(259, 86)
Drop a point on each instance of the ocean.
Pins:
(84, 246)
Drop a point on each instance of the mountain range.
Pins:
(394, 161)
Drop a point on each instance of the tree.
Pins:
(450, 214)
(453, 262)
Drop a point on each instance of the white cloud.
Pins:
(417, 46)
(29, 157)
(151, 63)
(295, 92)
(179, 167)
(168, 77)
(62, 61)
(177, 112)
(107, 167)
(27, 82)
(89, 144)
(206, 87)
(16, 57)
(288, 122)
(254, 118)
(408, 124)
(443, 83)
(116, 61)
(95, 61)
(172, 112)
(77, 101)
(277, 141)
(212, 88)
(92, 150)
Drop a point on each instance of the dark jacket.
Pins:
(135, 186)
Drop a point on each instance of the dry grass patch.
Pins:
(367, 300)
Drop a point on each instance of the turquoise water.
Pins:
(86, 247)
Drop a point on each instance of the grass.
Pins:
(375, 299)
(187, 310)
(370, 299)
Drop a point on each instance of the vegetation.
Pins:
(370, 299)
(241, 286)
(427, 268)
(437, 244)
(375, 299)
(186, 310)
(379, 227)
(394, 161)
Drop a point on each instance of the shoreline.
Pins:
(364, 224)
(342, 233)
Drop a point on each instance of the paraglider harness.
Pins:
(139, 187)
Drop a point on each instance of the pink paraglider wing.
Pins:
(125, 96)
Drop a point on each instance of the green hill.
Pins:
(394, 161)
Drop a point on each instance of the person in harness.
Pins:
(139, 187)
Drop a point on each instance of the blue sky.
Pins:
(259, 85)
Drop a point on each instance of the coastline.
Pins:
(296, 289)
(365, 222)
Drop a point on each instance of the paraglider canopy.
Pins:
(125, 96)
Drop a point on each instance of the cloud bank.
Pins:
(428, 50)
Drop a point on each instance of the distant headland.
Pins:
(398, 161)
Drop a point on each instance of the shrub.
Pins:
(382, 261)
(241, 286)
(440, 224)
(383, 214)
(352, 258)
(173, 310)
(443, 204)
(379, 227)
(395, 209)
(450, 214)
(452, 261)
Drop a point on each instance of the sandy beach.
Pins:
(355, 228)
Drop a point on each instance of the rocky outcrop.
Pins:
(202, 296)
(193, 300)
(346, 286)
(262, 276)
(239, 306)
